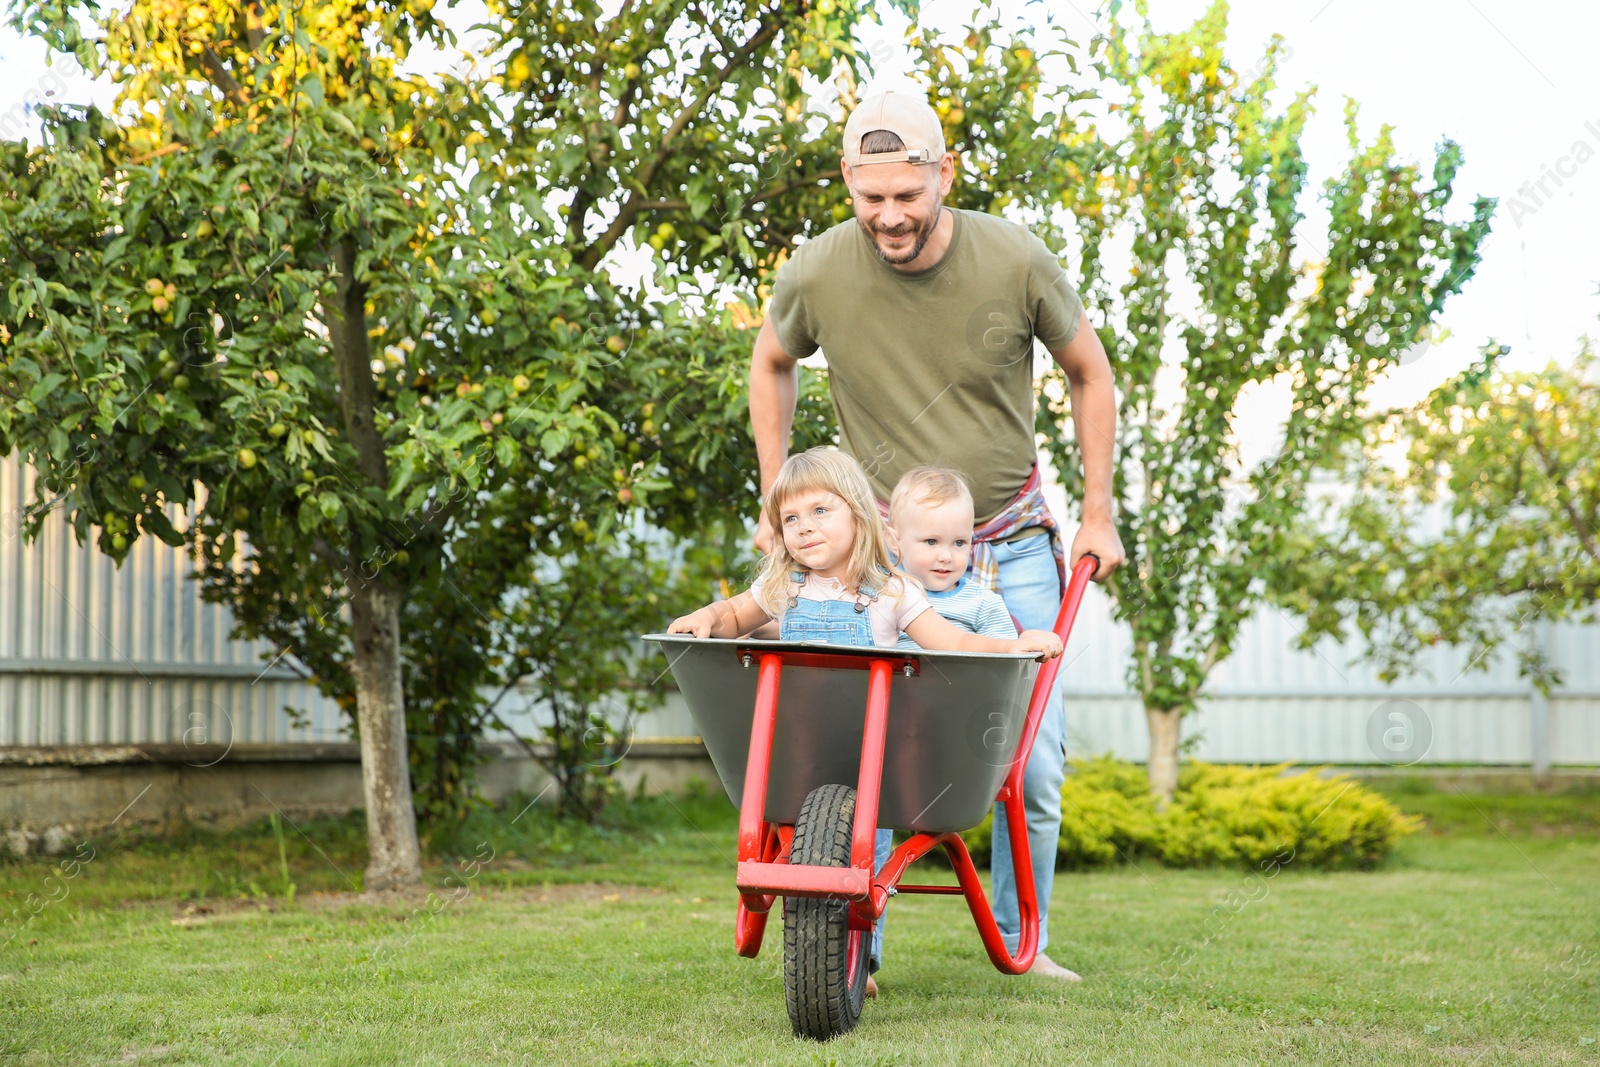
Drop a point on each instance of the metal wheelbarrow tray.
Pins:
(819, 745)
(955, 722)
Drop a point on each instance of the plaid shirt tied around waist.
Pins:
(1026, 509)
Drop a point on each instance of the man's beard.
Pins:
(923, 237)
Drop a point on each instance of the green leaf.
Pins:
(156, 522)
(699, 197)
(405, 468)
(570, 393)
(339, 119)
(567, 159)
(554, 442)
(414, 502)
(114, 250)
(45, 386)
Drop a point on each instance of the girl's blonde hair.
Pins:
(826, 470)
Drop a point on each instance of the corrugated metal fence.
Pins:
(94, 654)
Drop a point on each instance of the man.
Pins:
(927, 317)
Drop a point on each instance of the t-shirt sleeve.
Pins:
(755, 591)
(787, 310)
(910, 603)
(1052, 300)
(994, 620)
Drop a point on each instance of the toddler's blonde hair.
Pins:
(930, 487)
(828, 470)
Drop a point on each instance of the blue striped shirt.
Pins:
(973, 608)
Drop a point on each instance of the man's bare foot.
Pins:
(872, 988)
(1046, 967)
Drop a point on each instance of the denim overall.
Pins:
(835, 621)
(840, 622)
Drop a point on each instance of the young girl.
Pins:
(830, 577)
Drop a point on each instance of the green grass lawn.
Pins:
(1476, 944)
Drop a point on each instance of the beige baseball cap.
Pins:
(907, 116)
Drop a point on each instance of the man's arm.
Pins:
(774, 391)
(1094, 418)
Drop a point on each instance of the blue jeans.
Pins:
(882, 845)
(1031, 587)
(1032, 591)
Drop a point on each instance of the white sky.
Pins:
(1513, 83)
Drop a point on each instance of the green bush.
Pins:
(1107, 814)
(1221, 814)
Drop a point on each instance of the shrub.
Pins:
(1221, 814)
(1107, 814)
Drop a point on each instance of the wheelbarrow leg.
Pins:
(994, 942)
(874, 734)
(971, 888)
(750, 926)
(754, 832)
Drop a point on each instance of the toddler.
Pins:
(930, 525)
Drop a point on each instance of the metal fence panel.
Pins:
(95, 654)
(92, 653)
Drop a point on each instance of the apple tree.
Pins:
(272, 291)
(311, 313)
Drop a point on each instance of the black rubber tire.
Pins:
(824, 992)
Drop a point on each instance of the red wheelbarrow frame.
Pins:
(764, 871)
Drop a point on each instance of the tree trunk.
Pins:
(1166, 727)
(393, 858)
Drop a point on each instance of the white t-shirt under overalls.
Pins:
(887, 614)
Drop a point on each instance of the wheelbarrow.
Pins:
(790, 725)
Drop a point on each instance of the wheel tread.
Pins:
(823, 999)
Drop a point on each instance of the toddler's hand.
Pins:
(695, 624)
(1044, 641)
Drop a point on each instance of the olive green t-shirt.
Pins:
(934, 366)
